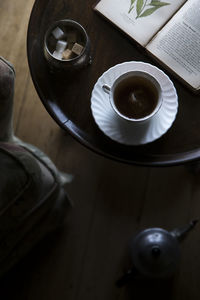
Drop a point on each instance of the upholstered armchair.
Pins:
(33, 201)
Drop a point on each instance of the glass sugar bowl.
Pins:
(67, 45)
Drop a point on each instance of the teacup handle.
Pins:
(106, 88)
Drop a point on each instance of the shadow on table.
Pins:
(151, 289)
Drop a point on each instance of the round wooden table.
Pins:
(67, 97)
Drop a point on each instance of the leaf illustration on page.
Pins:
(131, 6)
(146, 8)
(158, 3)
(148, 12)
(139, 6)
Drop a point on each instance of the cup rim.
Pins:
(149, 77)
(54, 25)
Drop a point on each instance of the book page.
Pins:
(140, 19)
(178, 44)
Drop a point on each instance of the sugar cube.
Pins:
(57, 54)
(67, 54)
(61, 46)
(77, 48)
(58, 33)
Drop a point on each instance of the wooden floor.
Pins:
(112, 202)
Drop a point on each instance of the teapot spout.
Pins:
(181, 232)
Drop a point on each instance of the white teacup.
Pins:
(135, 96)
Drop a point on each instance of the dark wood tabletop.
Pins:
(67, 97)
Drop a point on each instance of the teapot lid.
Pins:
(155, 252)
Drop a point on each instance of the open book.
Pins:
(168, 29)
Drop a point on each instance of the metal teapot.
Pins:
(155, 252)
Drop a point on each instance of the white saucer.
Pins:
(130, 133)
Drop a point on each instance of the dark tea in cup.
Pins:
(135, 95)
